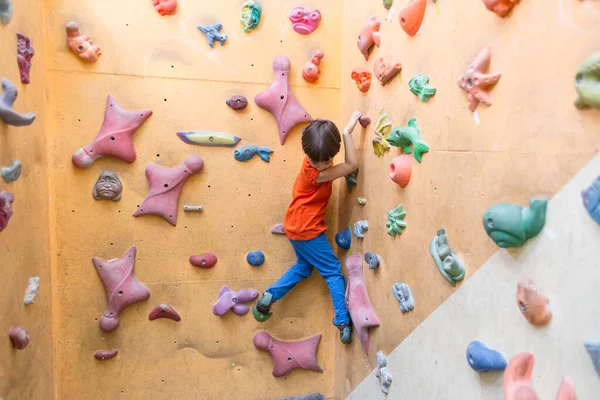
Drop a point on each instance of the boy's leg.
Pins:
(296, 273)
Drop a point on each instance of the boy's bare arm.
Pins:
(351, 157)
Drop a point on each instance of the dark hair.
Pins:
(321, 140)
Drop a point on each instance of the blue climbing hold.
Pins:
(593, 348)
(255, 258)
(212, 34)
(344, 239)
(372, 259)
(483, 359)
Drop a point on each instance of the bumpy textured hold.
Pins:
(7, 99)
(404, 296)
(450, 266)
(396, 224)
(483, 359)
(385, 378)
(25, 53)
(587, 83)
(372, 259)
(360, 227)
(6, 211)
(476, 82)
(32, 290)
(250, 15)
(419, 85)
(405, 137)
(304, 21)
(81, 44)
(108, 187)
(511, 225)
(591, 199)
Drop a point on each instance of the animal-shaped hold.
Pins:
(359, 306)
(165, 187)
(251, 12)
(288, 356)
(19, 337)
(205, 260)
(103, 355)
(122, 287)
(500, 7)
(404, 296)
(344, 239)
(108, 187)
(450, 266)
(209, 138)
(6, 11)
(511, 225)
(587, 83)
(255, 258)
(483, 359)
(230, 300)
(385, 378)
(24, 55)
(591, 200)
(115, 138)
(383, 127)
(419, 85)
(164, 311)
(279, 100)
(81, 44)
(362, 77)
(372, 259)
(404, 137)
(411, 16)
(400, 169)
(246, 153)
(237, 102)
(385, 72)
(165, 7)
(532, 304)
(396, 224)
(593, 349)
(212, 34)
(476, 81)
(304, 21)
(6, 211)
(359, 228)
(311, 70)
(351, 180)
(12, 173)
(369, 36)
(7, 99)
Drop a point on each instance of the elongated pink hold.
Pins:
(122, 287)
(362, 313)
(278, 229)
(18, 336)
(230, 300)
(164, 311)
(104, 355)
(288, 356)
(566, 390)
(165, 186)
(115, 138)
(206, 260)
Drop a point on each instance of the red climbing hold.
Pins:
(164, 311)
(206, 260)
(103, 355)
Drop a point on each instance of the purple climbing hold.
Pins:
(230, 300)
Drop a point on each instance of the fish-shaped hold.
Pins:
(511, 225)
(591, 199)
(247, 152)
(404, 137)
(587, 83)
(209, 138)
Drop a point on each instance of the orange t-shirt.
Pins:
(305, 218)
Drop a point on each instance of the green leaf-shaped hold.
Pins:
(419, 85)
(396, 224)
(405, 137)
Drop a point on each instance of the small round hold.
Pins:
(237, 102)
(18, 336)
(188, 207)
(364, 121)
(255, 258)
(361, 200)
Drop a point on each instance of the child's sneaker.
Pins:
(262, 309)
(345, 332)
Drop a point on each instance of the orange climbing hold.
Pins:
(401, 169)
(411, 16)
(500, 7)
(362, 77)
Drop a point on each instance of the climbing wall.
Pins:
(24, 243)
(530, 142)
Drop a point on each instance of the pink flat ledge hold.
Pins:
(165, 186)
(205, 260)
(115, 138)
(279, 100)
(18, 336)
(288, 356)
(359, 306)
(6, 211)
(164, 311)
(278, 229)
(122, 287)
(104, 355)
(230, 300)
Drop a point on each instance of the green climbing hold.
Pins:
(396, 224)
(511, 225)
(450, 266)
(251, 15)
(388, 4)
(419, 85)
(260, 317)
(404, 137)
(587, 83)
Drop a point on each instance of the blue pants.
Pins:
(315, 253)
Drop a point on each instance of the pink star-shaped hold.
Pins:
(165, 186)
(279, 100)
(476, 82)
(288, 356)
(115, 138)
(122, 287)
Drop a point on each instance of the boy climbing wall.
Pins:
(304, 222)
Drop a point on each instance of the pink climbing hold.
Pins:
(164, 311)
(6, 200)
(369, 36)
(278, 229)
(165, 186)
(18, 336)
(122, 287)
(206, 260)
(288, 356)
(364, 121)
(361, 312)
(304, 21)
(115, 138)
(279, 100)
(311, 70)
(104, 355)
(230, 300)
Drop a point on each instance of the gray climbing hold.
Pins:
(404, 296)
(6, 11)
(359, 228)
(382, 373)
(593, 348)
(7, 99)
(12, 173)
(372, 259)
(32, 290)
(314, 396)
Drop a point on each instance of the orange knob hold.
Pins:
(401, 169)
(411, 16)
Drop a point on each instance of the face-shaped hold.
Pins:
(362, 77)
(385, 72)
(304, 21)
(81, 44)
(533, 304)
(108, 187)
(250, 15)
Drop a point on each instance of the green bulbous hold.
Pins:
(396, 224)
(511, 225)
(404, 137)
(388, 4)
(419, 85)
(251, 15)
(587, 83)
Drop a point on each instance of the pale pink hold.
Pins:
(18, 336)
(279, 100)
(359, 306)
(165, 186)
(164, 311)
(104, 355)
(205, 260)
(278, 229)
(288, 356)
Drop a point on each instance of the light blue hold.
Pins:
(255, 258)
(212, 33)
(593, 348)
(246, 153)
(483, 359)
(344, 239)
(12, 173)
